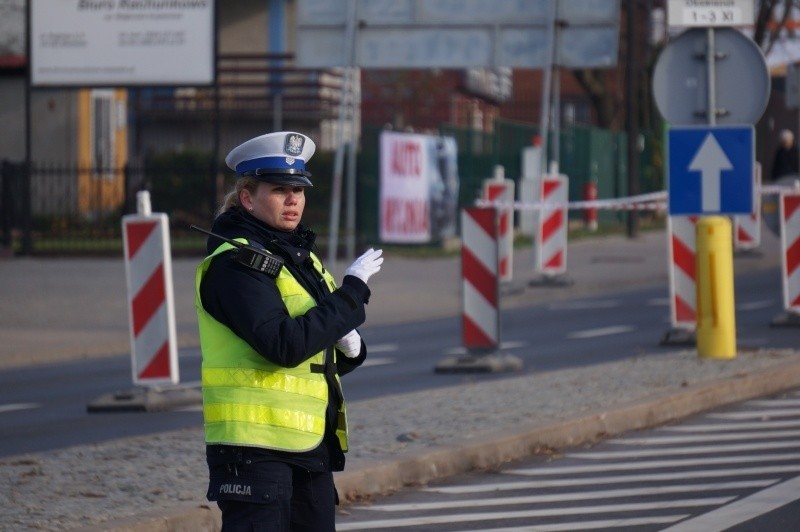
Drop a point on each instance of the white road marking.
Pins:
(702, 449)
(569, 497)
(380, 361)
(527, 514)
(658, 302)
(795, 402)
(583, 305)
(590, 525)
(756, 425)
(602, 331)
(743, 510)
(654, 464)
(620, 479)
(755, 305)
(382, 348)
(19, 406)
(757, 414)
(453, 351)
(697, 438)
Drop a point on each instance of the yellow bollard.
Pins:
(716, 317)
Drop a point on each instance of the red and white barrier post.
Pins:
(154, 348)
(148, 269)
(681, 231)
(498, 189)
(479, 278)
(530, 185)
(790, 258)
(747, 227)
(551, 242)
(480, 297)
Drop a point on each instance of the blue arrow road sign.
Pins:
(710, 170)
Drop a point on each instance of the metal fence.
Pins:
(56, 209)
(67, 210)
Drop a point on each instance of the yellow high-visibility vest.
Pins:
(250, 401)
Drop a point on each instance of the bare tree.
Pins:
(772, 23)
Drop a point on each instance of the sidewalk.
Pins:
(406, 439)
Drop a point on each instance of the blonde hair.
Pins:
(231, 199)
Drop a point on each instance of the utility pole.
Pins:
(632, 114)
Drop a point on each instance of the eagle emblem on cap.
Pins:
(293, 145)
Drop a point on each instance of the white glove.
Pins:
(350, 344)
(366, 265)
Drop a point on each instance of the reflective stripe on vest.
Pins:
(250, 401)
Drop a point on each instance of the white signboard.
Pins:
(457, 34)
(710, 13)
(122, 42)
(419, 188)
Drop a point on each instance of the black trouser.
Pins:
(275, 496)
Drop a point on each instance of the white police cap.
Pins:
(275, 158)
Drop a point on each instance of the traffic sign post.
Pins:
(707, 68)
(710, 170)
(707, 13)
(698, 80)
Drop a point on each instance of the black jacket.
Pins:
(249, 303)
(785, 162)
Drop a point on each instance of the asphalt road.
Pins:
(45, 408)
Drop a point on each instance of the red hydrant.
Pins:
(590, 213)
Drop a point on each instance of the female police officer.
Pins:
(275, 339)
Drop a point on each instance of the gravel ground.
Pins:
(94, 484)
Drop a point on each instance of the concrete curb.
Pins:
(378, 478)
(200, 518)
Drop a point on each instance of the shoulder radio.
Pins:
(252, 257)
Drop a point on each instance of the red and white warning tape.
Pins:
(651, 201)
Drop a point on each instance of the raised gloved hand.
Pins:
(350, 344)
(366, 265)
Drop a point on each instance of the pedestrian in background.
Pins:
(274, 343)
(786, 156)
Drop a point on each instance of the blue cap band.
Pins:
(270, 163)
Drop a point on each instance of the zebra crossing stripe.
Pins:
(527, 514)
(591, 525)
(569, 497)
(696, 438)
(704, 449)
(620, 479)
(743, 510)
(757, 425)
(654, 464)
